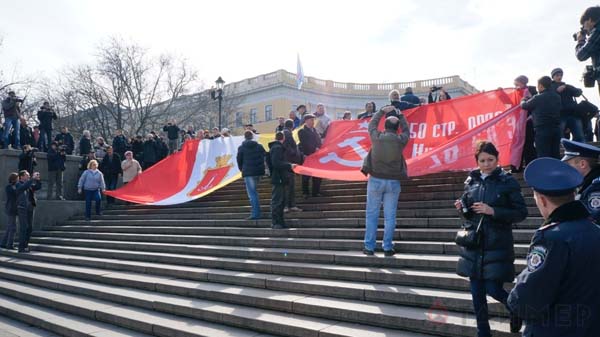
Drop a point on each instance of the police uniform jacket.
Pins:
(494, 260)
(558, 293)
(589, 193)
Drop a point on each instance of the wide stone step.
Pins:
(305, 214)
(245, 293)
(401, 245)
(55, 321)
(454, 223)
(388, 275)
(198, 207)
(340, 239)
(12, 328)
(299, 322)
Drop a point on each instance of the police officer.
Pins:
(584, 158)
(558, 293)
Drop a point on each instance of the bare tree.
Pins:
(126, 89)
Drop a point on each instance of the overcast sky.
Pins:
(487, 43)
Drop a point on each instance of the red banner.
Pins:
(442, 137)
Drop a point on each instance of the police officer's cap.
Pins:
(552, 177)
(576, 149)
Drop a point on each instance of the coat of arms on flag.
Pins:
(213, 176)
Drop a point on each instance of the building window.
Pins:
(268, 112)
(238, 118)
(252, 116)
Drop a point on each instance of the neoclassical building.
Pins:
(261, 99)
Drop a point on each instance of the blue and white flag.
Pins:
(299, 74)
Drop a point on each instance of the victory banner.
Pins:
(442, 137)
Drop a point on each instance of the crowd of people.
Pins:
(556, 293)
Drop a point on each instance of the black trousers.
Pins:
(529, 153)
(277, 199)
(290, 192)
(316, 185)
(547, 142)
(25, 226)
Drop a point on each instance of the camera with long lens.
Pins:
(434, 88)
(589, 76)
(582, 31)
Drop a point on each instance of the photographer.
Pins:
(26, 203)
(172, 131)
(440, 97)
(64, 138)
(11, 106)
(27, 159)
(394, 96)
(567, 95)
(589, 47)
(56, 166)
(45, 115)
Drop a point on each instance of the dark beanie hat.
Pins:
(556, 71)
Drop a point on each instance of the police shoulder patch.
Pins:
(594, 200)
(536, 258)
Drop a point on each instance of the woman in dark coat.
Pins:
(492, 193)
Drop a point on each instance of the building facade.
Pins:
(262, 99)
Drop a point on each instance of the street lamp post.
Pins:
(217, 94)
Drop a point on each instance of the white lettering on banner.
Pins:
(356, 147)
(450, 155)
(418, 130)
(475, 121)
(512, 121)
(419, 149)
(444, 129)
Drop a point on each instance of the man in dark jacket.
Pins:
(294, 156)
(56, 166)
(110, 168)
(557, 293)
(26, 203)
(251, 162)
(12, 110)
(120, 144)
(568, 103)
(65, 140)
(545, 110)
(26, 134)
(590, 47)
(45, 115)
(150, 152)
(10, 208)
(137, 147)
(398, 104)
(409, 97)
(280, 170)
(584, 158)
(385, 165)
(310, 142)
(172, 131)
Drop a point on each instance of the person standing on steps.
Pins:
(280, 174)
(26, 203)
(492, 201)
(385, 165)
(92, 183)
(557, 294)
(251, 162)
(310, 142)
(11, 212)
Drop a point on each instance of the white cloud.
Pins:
(488, 43)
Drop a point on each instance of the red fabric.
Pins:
(162, 180)
(442, 137)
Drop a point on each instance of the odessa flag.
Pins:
(200, 168)
(442, 137)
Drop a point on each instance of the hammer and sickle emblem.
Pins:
(354, 144)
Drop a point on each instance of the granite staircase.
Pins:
(201, 269)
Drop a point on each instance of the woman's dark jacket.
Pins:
(251, 159)
(494, 259)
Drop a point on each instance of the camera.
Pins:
(434, 88)
(581, 30)
(465, 205)
(589, 76)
